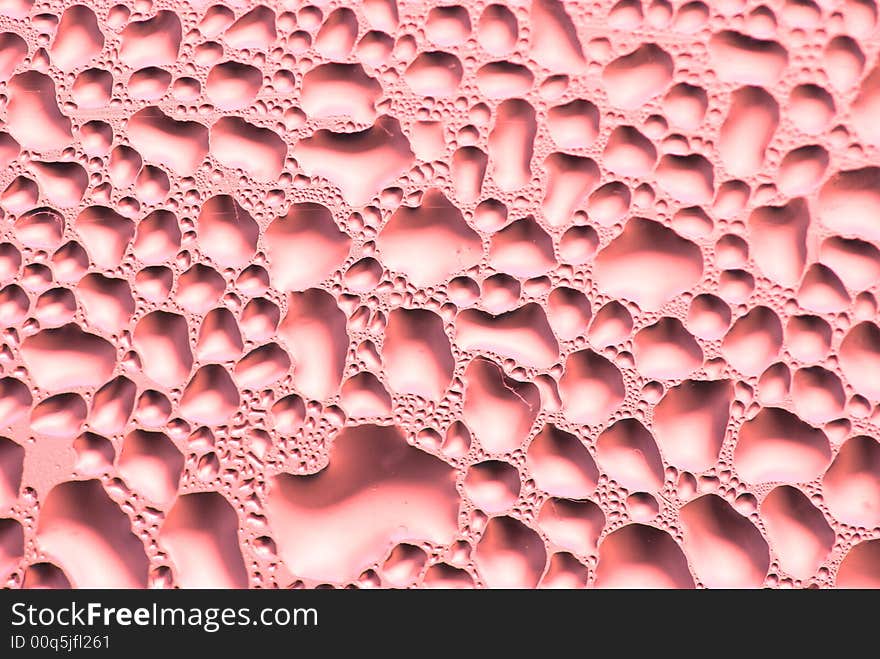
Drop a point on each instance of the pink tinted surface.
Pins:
(535, 294)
